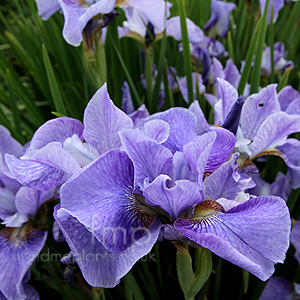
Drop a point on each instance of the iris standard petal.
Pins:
(158, 159)
(103, 121)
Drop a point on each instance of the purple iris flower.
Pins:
(144, 16)
(113, 208)
(19, 242)
(56, 151)
(280, 62)
(280, 187)
(219, 21)
(279, 288)
(277, 6)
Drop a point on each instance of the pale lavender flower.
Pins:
(219, 21)
(277, 6)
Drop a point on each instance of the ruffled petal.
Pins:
(175, 199)
(158, 159)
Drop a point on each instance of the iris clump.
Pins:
(148, 146)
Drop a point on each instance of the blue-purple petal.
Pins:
(247, 235)
(103, 121)
(91, 256)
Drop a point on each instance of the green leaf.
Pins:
(284, 79)
(54, 88)
(133, 290)
(249, 58)
(128, 77)
(256, 72)
(186, 50)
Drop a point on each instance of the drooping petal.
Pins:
(101, 197)
(149, 158)
(56, 130)
(274, 130)
(91, 256)
(175, 199)
(257, 108)
(103, 121)
(18, 251)
(247, 235)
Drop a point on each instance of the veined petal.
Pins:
(182, 127)
(221, 149)
(173, 200)
(201, 125)
(92, 256)
(56, 130)
(227, 96)
(101, 197)
(103, 121)
(149, 158)
(221, 183)
(247, 235)
(34, 174)
(257, 108)
(274, 130)
(157, 130)
(197, 153)
(18, 250)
